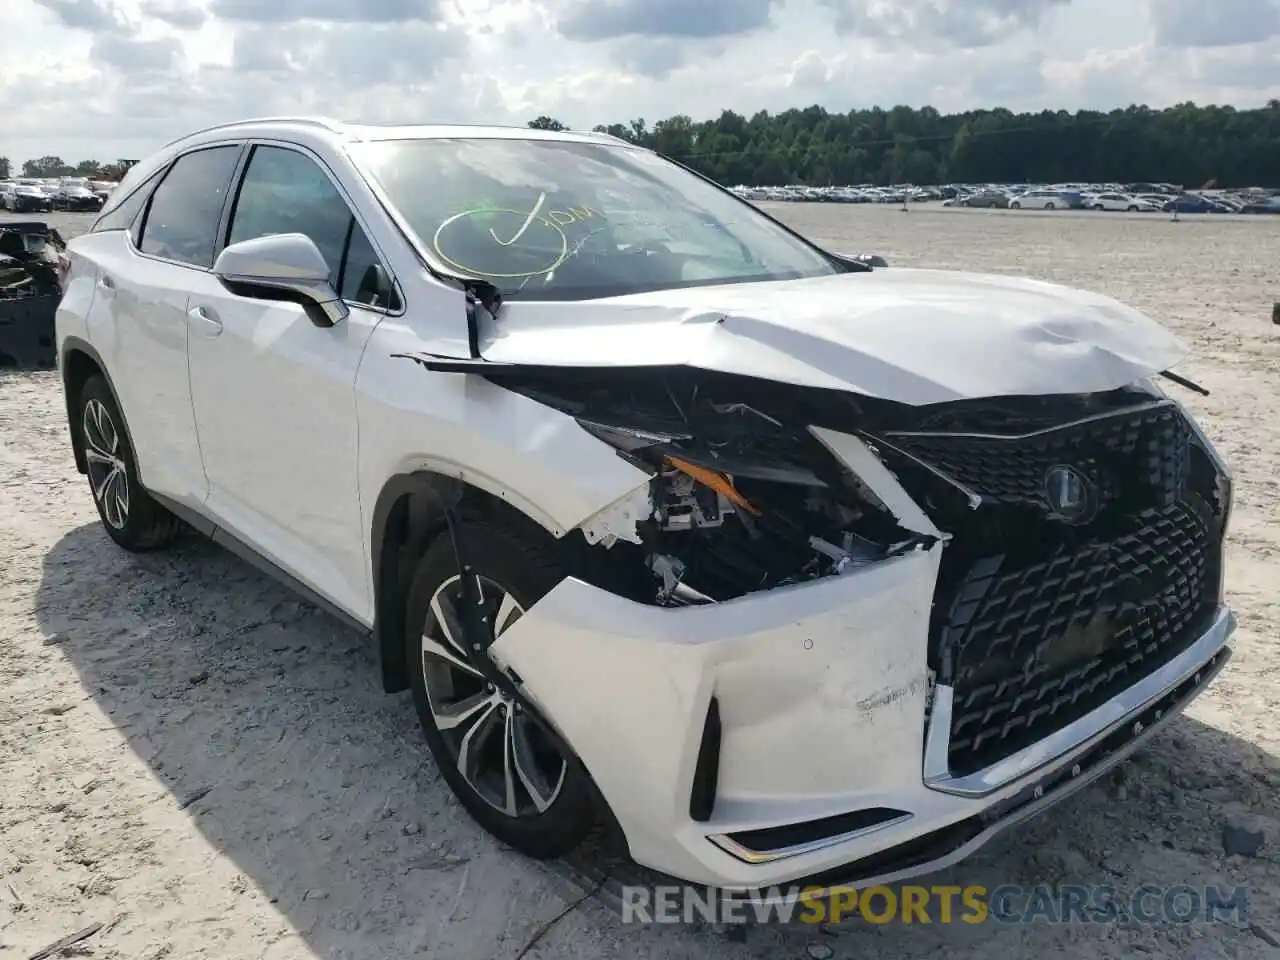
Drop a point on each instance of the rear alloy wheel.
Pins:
(107, 475)
(131, 517)
(506, 764)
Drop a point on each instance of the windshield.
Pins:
(561, 220)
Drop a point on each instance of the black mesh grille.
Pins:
(1037, 621)
(1131, 459)
(1036, 646)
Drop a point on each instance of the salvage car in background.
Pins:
(27, 198)
(1047, 200)
(1119, 201)
(798, 567)
(30, 289)
(1195, 203)
(985, 198)
(76, 198)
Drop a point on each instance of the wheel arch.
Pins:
(78, 361)
(410, 512)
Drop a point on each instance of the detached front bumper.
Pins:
(824, 710)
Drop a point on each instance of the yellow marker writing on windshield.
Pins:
(531, 228)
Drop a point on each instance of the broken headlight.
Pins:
(738, 514)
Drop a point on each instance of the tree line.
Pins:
(1189, 145)
(56, 167)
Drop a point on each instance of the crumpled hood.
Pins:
(914, 336)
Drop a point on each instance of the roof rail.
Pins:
(333, 126)
(615, 139)
(600, 134)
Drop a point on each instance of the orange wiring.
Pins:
(716, 481)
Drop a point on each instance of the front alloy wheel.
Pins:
(505, 754)
(108, 477)
(512, 770)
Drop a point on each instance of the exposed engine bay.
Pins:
(743, 496)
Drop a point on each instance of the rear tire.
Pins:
(1049, 206)
(511, 771)
(128, 513)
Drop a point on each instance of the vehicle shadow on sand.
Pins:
(320, 788)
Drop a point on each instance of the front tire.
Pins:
(1015, 205)
(128, 513)
(511, 771)
(1049, 206)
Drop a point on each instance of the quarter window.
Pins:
(122, 216)
(182, 221)
(284, 191)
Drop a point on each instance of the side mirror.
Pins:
(282, 266)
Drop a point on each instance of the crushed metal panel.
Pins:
(30, 290)
(822, 665)
(618, 520)
(857, 456)
(986, 335)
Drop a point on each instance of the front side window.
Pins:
(553, 220)
(182, 221)
(284, 191)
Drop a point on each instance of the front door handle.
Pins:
(204, 322)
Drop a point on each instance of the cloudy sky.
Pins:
(114, 78)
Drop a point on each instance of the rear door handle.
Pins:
(204, 322)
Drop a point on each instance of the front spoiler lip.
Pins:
(1073, 739)
(1017, 812)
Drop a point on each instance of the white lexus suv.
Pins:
(787, 566)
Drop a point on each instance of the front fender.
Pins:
(525, 453)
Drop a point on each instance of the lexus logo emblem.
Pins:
(1069, 494)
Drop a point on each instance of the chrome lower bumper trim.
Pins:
(747, 855)
(1074, 737)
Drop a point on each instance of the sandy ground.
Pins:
(207, 767)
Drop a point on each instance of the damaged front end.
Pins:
(990, 586)
(744, 495)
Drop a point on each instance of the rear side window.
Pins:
(285, 191)
(182, 221)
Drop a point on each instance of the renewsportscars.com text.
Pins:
(1008, 904)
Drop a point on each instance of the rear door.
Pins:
(275, 394)
(138, 322)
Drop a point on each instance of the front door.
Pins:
(275, 394)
